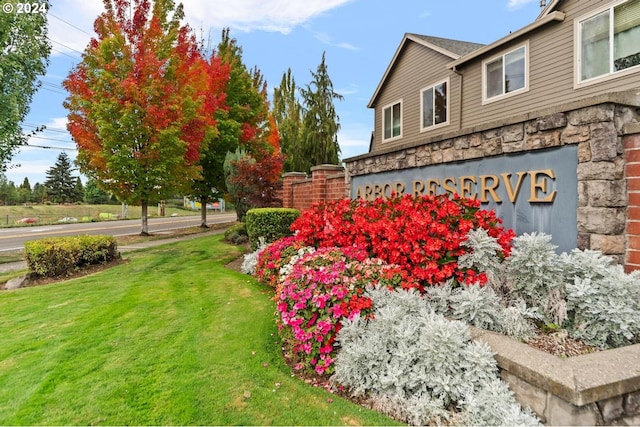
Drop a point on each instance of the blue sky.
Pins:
(359, 37)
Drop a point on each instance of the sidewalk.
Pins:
(21, 265)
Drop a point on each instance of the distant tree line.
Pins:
(60, 186)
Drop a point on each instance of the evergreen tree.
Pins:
(8, 191)
(93, 194)
(78, 190)
(287, 112)
(24, 191)
(39, 193)
(60, 184)
(320, 120)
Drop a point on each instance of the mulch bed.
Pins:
(84, 271)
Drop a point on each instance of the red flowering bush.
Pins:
(422, 235)
(321, 289)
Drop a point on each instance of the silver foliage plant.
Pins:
(583, 291)
(250, 260)
(481, 307)
(416, 365)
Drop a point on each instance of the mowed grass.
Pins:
(171, 337)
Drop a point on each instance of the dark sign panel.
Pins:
(535, 191)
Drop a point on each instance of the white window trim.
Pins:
(439, 125)
(502, 54)
(577, 51)
(393, 138)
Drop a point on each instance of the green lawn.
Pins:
(171, 337)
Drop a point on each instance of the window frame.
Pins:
(503, 54)
(447, 105)
(390, 107)
(577, 49)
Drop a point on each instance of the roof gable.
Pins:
(548, 8)
(453, 49)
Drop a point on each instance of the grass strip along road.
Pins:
(170, 337)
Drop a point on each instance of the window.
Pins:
(392, 121)
(506, 74)
(434, 105)
(609, 42)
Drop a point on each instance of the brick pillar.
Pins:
(631, 144)
(287, 187)
(319, 178)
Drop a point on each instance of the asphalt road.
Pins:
(12, 239)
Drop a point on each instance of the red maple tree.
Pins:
(142, 101)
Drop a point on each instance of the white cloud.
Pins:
(325, 38)
(517, 4)
(248, 15)
(71, 21)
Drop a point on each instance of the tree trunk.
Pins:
(144, 204)
(203, 212)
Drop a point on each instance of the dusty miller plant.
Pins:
(250, 260)
(583, 291)
(603, 302)
(536, 275)
(484, 256)
(415, 363)
(480, 306)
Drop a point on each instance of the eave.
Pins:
(396, 55)
(555, 16)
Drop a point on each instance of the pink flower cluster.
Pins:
(321, 290)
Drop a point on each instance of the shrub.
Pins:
(236, 234)
(275, 256)
(61, 256)
(418, 365)
(322, 289)
(603, 303)
(582, 291)
(423, 235)
(537, 275)
(480, 306)
(269, 223)
(250, 260)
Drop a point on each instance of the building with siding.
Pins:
(561, 94)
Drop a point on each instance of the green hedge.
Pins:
(236, 234)
(62, 256)
(269, 223)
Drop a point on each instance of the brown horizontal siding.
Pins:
(416, 68)
(551, 81)
(551, 68)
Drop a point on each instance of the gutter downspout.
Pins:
(455, 70)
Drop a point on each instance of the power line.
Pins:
(47, 128)
(50, 147)
(64, 45)
(68, 23)
(54, 91)
(52, 139)
(64, 53)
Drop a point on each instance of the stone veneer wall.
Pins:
(598, 128)
(601, 388)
